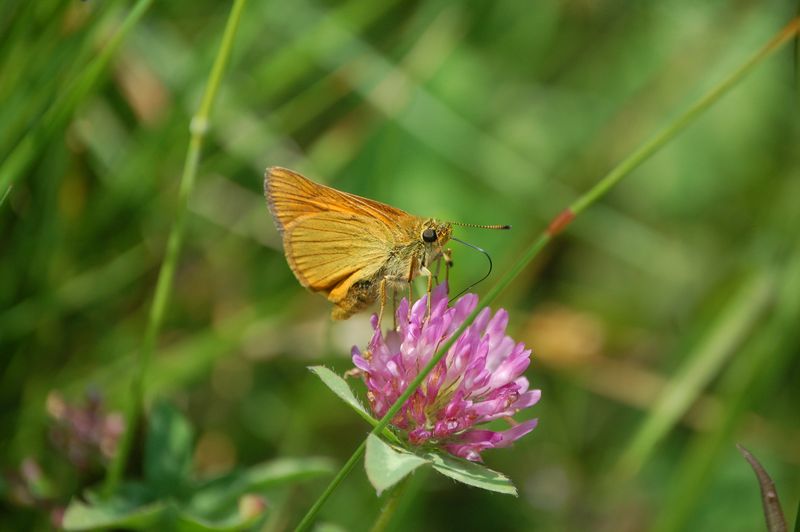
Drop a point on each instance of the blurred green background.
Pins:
(664, 322)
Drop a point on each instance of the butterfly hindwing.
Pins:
(329, 251)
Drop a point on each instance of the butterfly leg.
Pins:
(382, 296)
(394, 309)
(391, 282)
(409, 301)
(448, 263)
(427, 273)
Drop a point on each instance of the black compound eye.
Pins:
(429, 235)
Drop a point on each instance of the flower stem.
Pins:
(346, 468)
(390, 506)
(198, 129)
(559, 223)
(57, 115)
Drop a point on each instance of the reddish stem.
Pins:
(560, 222)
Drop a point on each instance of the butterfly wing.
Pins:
(290, 196)
(330, 251)
(333, 240)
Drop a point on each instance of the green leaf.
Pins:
(471, 473)
(223, 492)
(131, 506)
(341, 389)
(113, 513)
(188, 522)
(168, 451)
(387, 465)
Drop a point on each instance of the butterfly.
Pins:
(349, 248)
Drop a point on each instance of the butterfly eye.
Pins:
(429, 235)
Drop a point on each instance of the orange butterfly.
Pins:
(351, 248)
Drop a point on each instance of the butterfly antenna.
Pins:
(485, 253)
(479, 226)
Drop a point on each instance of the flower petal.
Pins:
(511, 435)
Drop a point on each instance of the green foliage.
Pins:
(168, 451)
(169, 497)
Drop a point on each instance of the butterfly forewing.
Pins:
(290, 195)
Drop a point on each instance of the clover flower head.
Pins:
(479, 379)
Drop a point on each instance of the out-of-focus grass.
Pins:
(492, 112)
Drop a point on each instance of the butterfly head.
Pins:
(434, 235)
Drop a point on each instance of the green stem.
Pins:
(670, 131)
(346, 468)
(57, 115)
(390, 505)
(624, 168)
(198, 129)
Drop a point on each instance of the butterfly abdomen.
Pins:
(360, 295)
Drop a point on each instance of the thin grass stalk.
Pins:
(57, 115)
(559, 223)
(198, 129)
(4, 195)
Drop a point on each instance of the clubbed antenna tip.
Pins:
(479, 226)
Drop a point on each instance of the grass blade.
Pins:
(198, 127)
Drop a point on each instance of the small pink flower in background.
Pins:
(87, 434)
(479, 380)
